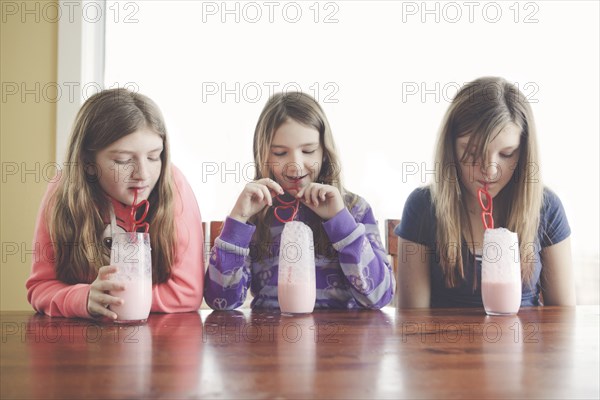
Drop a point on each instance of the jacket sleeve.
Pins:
(361, 254)
(183, 291)
(228, 275)
(45, 292)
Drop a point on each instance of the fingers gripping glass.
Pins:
(487, 208)
(138, 223)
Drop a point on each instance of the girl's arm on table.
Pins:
(45, 292)
(362, 256)
(228, 275)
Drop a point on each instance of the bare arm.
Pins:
(558, 288)
(414, 285)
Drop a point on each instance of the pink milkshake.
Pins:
(296, 298)
(500, 272)
(130, 253)
(137, 298)
(501, 297)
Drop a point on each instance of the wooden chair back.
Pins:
(391, 242)
(211, 231)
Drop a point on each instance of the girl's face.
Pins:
(295, 156)
(503, 156)
(130, 164)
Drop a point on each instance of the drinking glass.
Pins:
(130, 253)
(500, 272)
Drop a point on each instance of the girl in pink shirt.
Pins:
(118, 145)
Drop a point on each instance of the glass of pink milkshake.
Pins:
(296, 286)
(130, 253)
(500, 272)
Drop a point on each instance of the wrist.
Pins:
(87, 307)
(239, 217)
(335, 210)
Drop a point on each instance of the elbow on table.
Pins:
(373, 304)
(38, 297)
(219, 301)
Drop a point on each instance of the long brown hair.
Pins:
(482, 108)
(306, 111)
(78, 205)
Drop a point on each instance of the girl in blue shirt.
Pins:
(488, 136)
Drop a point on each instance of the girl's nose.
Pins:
(140, 171)
(490, 171)
(294, 165)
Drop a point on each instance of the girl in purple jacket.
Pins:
(295, 158)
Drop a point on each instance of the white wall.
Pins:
(384, 73)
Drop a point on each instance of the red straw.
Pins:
(291, 205)
(136, 224)
(487, 209)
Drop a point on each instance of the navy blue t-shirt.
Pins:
(419, 225)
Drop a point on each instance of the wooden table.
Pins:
(545, 352)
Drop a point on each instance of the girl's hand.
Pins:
(325, 200)
(255, 196)
(99, 299)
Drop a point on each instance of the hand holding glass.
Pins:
(130, 253)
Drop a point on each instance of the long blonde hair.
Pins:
(78, 204)
(306, 111)
(482, 108)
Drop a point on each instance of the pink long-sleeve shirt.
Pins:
(181, 293)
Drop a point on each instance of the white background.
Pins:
(384, 72)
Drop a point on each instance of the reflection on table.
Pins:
(541, 352)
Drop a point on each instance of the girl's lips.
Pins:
(484, 183)
(295, 179)
(293, 184)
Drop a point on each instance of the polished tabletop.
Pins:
(543, 352)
